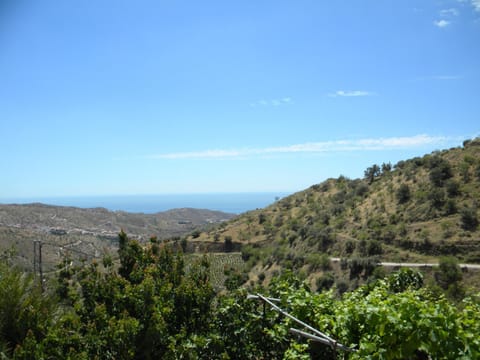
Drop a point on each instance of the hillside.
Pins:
(414, 211)
(89, 232)
(151, 301)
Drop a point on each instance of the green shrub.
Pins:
(436, 197)
(440, 170)
(325, 281)
(374, 247)
(228, 243)
(318, 262)
(405, 279)
(349, 246)
(448, 271)
(469, 218)
(453, 188)
(261, 218)
(403, 194)
(450, 207)
(361, 190)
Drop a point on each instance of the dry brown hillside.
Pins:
(89, 233)
(416, 210)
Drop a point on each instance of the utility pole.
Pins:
(40, 264)
(37, 261)
(35, 258)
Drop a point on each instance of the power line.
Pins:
(38, 258)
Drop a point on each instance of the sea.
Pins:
(235, 203)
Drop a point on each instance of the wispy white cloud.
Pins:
(200, 154)
(476, 5)
(351, 93)
(368, 144)
(272, 102)
(443, 77)
(446, 17)
(441, 23)
(449, 12)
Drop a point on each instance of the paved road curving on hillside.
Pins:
(397, 264)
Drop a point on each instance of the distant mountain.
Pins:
(90, 232)
(416, 210)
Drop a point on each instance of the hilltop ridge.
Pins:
(416, 210)
(91, 231)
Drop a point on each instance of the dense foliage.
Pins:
(393, 319)
(153, 305)
(150, 308)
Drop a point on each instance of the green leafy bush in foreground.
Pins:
(155, 307)
(380, 322)
(150, 308)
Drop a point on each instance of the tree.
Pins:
(386, 168)
(440, 170)
(325, 281)
(361, 190)
(24, 309)
(261, 218)
(450, 207)
(453, 188)
(403, 194)
(448, 272)
(372, 172)
(228, 243)
(436, 197)
(469, 218)
(153, 307)
(374, 247)
(163, 310)
(405, 279)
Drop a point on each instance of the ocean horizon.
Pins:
(235, 203)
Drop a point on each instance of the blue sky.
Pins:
(141, 97)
